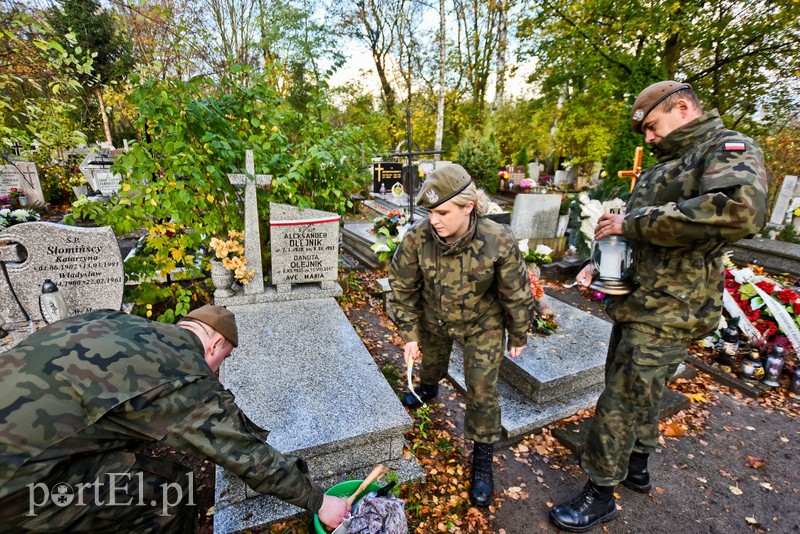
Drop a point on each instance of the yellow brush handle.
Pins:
(376, 473)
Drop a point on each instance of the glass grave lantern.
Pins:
(611, 257)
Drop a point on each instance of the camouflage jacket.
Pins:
(708, 188)
(474, 284)
(106, 381)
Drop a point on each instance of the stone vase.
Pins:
(222, 279)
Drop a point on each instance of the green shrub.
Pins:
(480, 156)
(522, 158)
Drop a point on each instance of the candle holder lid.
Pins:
(611, 287)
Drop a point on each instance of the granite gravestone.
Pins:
(516, 173)
(96, 168)
(84, 263)
(305, 246)
(23, 176)
(535, 216)
(385, 174)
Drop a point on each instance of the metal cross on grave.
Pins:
(252, 235)
(408, 154)
(637, 167)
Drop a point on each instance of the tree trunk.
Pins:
(672, 54)
(98, 91)
(502, 45)
(386, 87)
(440, 96)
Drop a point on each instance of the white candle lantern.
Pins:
(612, 260)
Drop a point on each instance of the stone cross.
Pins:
(637, 167)
(252, 236)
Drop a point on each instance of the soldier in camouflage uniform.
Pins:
(707, 190)
(459, 276)
(81, 396)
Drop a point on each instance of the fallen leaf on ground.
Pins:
(735, 490)
(751, 520)
(672, 430)
(754, 462)
(766, 485)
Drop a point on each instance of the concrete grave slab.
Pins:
(302, 372)
(554, 377)
(558, 365)
(84, 263)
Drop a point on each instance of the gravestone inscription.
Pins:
(385, 174)
(305, 246)
(96, 167)
(84, 263)
(22, 176)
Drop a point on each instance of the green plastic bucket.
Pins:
(344, 490)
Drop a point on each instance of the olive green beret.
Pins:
(218, 318)
(650, 98)
(443, 184)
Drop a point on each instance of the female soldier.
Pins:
(459, 276)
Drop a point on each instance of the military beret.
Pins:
(218, 318)
(650, 98)
(443, 184)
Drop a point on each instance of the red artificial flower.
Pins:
(787, 296)
(536, 287)
(769, 287)
(796, 307)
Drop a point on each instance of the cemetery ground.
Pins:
(727, 464)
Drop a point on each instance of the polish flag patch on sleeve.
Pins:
(734, 146)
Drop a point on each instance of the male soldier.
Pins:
(458, 275)
(708, 189)
(80, 396)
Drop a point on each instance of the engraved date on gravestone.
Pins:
(84, 263)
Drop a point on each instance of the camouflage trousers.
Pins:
(483, 352)
(638, 367)
(113, 492)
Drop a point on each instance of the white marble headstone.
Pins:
(85, 264)
(785, 196)
(305, 246)
(96, 168)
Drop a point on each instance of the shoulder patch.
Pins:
(734, 146)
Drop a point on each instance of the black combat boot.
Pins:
(482, 491)
(594, 505)
(426, 392)
(638, 478)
